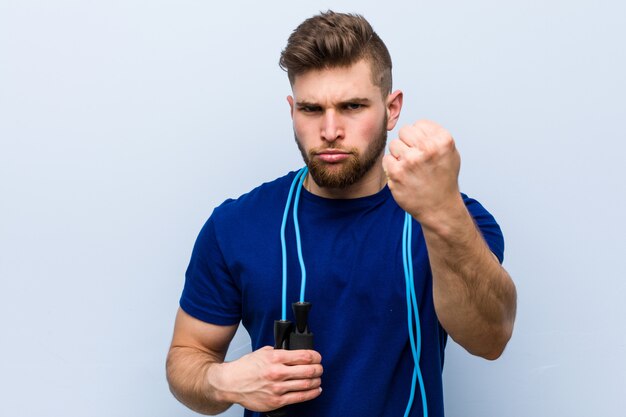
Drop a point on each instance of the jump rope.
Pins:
(288, 336)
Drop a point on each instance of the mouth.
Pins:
(332, 156)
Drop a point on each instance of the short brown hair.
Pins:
(331, 40)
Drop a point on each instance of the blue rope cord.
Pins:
(296, 226)
(412, 316)
(300, 174)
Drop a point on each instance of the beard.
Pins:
(346, 173)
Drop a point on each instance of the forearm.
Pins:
(188, 372)
(475, 298)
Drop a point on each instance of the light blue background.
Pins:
(123, 123)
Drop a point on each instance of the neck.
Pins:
(371, 183)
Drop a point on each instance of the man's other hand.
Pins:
(268, 378)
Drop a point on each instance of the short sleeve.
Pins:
(487, 225)
(210, 294)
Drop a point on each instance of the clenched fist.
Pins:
(423, 169)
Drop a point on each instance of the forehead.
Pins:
(335, 84)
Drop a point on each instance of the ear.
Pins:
(290, 101)
(394, 106)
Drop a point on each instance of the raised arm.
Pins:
(260, 381)
(475, 298)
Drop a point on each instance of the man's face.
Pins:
(340, 123)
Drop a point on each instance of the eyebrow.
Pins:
(355, 100)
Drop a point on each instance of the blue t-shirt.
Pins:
(355, 281)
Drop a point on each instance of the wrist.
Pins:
(217, 383)
(444, 219)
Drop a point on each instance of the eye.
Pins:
(353, 106)
(309, 109)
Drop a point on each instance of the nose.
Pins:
(332, 128)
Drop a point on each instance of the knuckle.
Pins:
(272, 374)
(314, 383)
(445, 140)
(267, 354)
(272, 355)
(301, 397)
(429, 151)
(449, 144)
(275, 389)
(275, 402)
(315, 357)
(413, 157)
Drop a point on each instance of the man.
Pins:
(351, 215)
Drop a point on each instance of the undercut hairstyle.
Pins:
(332, 40)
